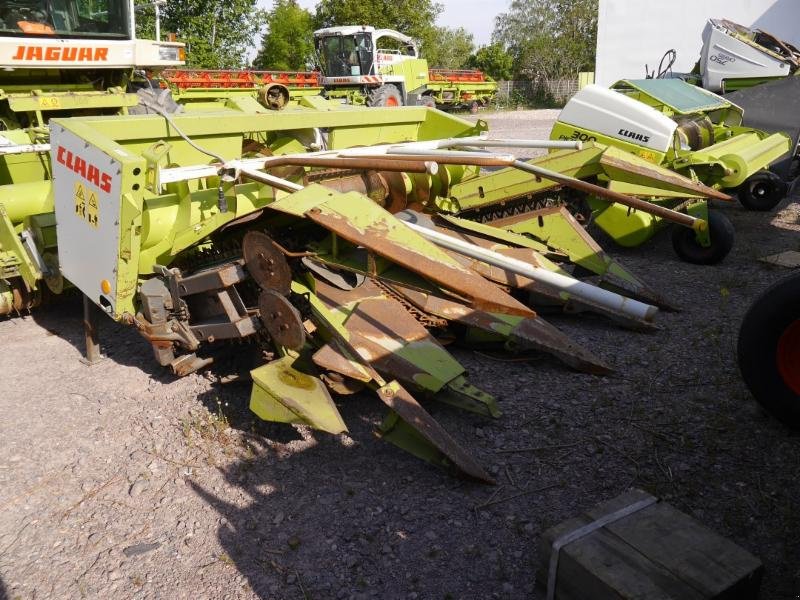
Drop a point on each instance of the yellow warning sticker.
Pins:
(648, 156)
(46, 102)
(92, 211)
(80, 200)
(86, 205)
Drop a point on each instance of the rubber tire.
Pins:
(159, 98)
(722, 235)
(427, 101)
(762, 191)
(474, 106)
(765, 321)
(386, 95)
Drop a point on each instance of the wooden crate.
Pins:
(655, 553)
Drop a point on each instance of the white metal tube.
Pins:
(278, 182)
(578, 289)
(513, 143)
(24, 149)
(434, 153)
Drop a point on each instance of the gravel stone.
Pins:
(139, 486)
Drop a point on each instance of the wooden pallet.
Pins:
(655, 553)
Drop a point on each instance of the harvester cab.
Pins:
(350, 56)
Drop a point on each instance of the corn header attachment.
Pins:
(689, 130)
(343, 267)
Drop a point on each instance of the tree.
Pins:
(288, 44)
(217, 33)
(450, 49)
(494, 61)
(145, 20)
(412, 17)
(549, 39)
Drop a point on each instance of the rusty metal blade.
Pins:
(404, 404)
(387, 337)
(533, 333)
(582, 249)
(539, 290)
(430, 433)
(619, 165)
(360, 221)
(331, 358)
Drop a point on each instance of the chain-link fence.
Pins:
(550, 93)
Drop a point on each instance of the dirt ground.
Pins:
(121, 481)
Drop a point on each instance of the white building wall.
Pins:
(632, 33)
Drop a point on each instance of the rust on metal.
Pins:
(265, 262)
(678, 181)
(463, 158)
(331, 358)
(450, 275)
(375, 326)
(376, 163)
(478, 160)
(508, 278)
(189, 363)
(404, 404)
(378, 327)
(282, 320)
(530, 333)
(638, 289)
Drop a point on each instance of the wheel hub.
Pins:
(761, 189)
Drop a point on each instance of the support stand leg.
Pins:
(93, 355)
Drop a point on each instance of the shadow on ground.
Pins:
(307, 516)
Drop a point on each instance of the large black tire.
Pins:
(428, 101)
(769, 350)
(386, 95)
(762, 191)
(155, 101)
(720, 230)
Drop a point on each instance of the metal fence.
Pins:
(555, 91)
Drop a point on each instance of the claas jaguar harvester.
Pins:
(342, 265)
(356, 69)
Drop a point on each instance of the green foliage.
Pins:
(288, 44)
(217, 33)
(145, 20)
(494, 61)
(549, 39)
(412, 17)
(452, 48)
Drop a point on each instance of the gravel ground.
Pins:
(120, 481)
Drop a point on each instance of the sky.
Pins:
(476, 16)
